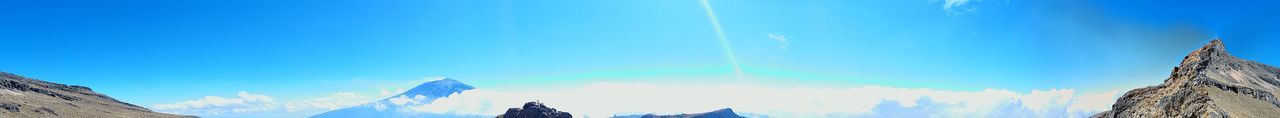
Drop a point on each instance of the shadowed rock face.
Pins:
(23, 97)
(722, 113)
(534, 110)
(1208, 83)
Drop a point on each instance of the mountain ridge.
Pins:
(721, 113)
(1209, 82)
(29, 97)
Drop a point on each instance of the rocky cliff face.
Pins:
(534, 110)
(1208, 83)
(22, 97)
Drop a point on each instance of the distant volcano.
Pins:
(22, 97)
(393, 106)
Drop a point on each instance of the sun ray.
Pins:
(724, 42)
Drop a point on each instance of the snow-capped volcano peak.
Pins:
(423, 94)
(438, 88)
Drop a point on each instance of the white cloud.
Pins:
(954, 3)
(608, 99)
(404, 99)
(331, 102)
(1041, 101)
(384, 92)
(958, 7)
(379, 106)
(780, 38)
(248, 103)
(1090, 103)
(244, 102)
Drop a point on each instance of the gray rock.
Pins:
(1208, 83)
(534, 110)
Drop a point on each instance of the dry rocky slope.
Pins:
(22, 97)
(1208, 83)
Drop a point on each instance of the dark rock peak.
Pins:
(534, 110)
(1209, 82)
(1210, 51)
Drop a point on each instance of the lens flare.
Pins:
(724, 42)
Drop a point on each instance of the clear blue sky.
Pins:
(163, 51)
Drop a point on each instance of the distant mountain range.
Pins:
(423, 95)
(22, 97)
(722, 113)
(393, 107)
(1208, 83)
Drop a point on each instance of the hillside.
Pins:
(22, 97)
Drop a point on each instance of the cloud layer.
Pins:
(248, 103)
(609, 99)
(243, 102)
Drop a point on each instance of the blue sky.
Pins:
(155, 51)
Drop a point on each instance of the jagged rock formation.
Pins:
(22, 97)
(534, 110)
(387, 108)
(1208, 83)
(722, 113)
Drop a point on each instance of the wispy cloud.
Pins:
(608, 99)
(958, 7)
(782, 39)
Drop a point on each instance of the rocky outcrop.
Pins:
(23, 97)
(722, 113)
(1208, 83)
(534, 110)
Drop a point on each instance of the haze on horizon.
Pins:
(295, 58)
